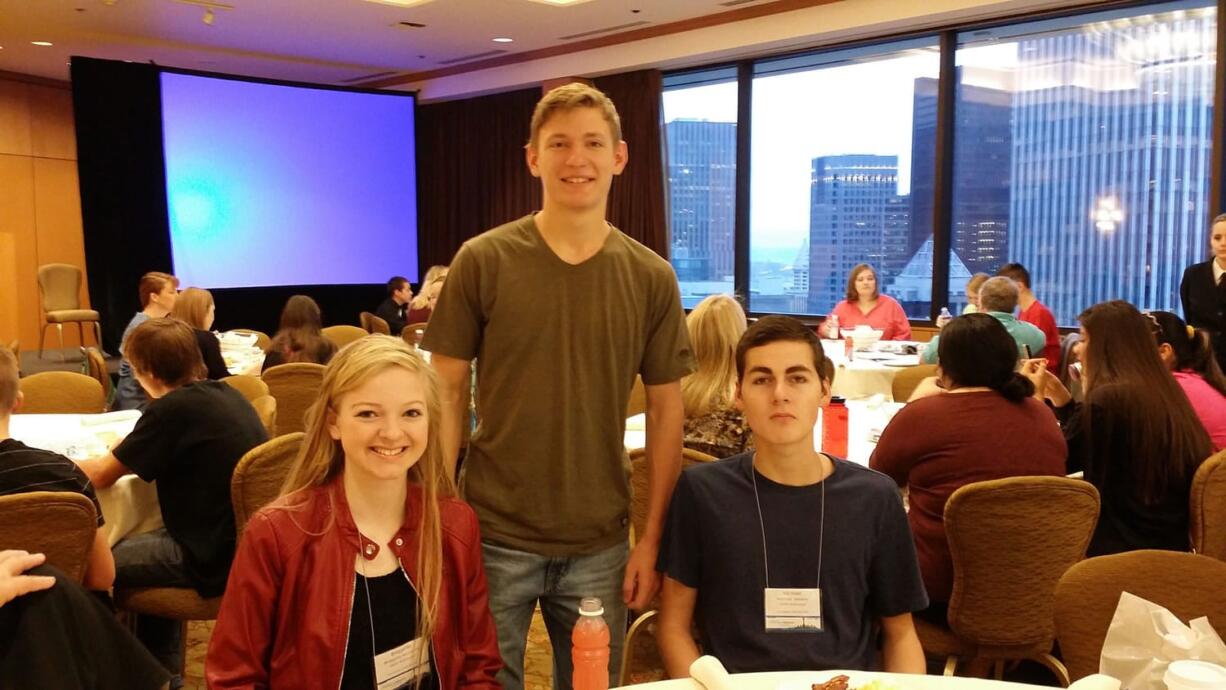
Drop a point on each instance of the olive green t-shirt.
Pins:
(557, 348)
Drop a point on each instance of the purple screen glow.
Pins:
(285, 185)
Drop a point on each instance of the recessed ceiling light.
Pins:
(40, 43)
(503, 39)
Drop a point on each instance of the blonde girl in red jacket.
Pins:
(367, 571)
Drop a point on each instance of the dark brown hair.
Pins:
(300, 338)
(1192, 348)
(772, 329)
(976, 350)
(1017, 272)
(852, 295)
(1127, 383)
(165, 349)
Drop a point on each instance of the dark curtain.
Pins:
(117, 108)
(471, 168)
(636, 201)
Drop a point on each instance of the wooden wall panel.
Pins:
(14, 118)
(52, 133)
(19, 315)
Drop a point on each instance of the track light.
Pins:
(209, 17)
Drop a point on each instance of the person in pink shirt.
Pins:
(1034, 312)
(865, 305)
(1187, 353)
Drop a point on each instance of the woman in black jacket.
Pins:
(1203, 291)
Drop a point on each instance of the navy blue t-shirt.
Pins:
(713, 543)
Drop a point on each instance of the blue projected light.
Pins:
(287, 185)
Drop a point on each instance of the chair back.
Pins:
(61, 392)
(295, 386)
(409, 334)
(262, 340)
(259, 475)
(364, 321)
(1187, 584)
(343, 334)
(640, 476)
(1208, 507)
(60, 524)
(252, 387)
(1010, 541)
(637, 404)
(266, 409)
(60, 286)
(376, 324)
(906, 380)
(99, 372)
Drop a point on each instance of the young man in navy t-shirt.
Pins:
(788, 558)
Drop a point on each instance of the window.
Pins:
(700, 140)
(1082, 151)
(840, 140)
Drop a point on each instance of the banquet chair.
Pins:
(637, 404)
(1010, 541)
(639, 476)
(60, 288)
(61, 392)
(1188, 585)
(99, 372)
(181, 604)
(295, 386)
(343, 334)
(259, 475)
(409, 334)
(906, 380)
(60, 524)
(252, 387)
(1207, 506)
(262, 340)
(378, 325)
(266, 409)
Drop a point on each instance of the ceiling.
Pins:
(322, 41)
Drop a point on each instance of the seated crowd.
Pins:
(369, 570)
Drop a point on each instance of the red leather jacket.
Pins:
(284, 621)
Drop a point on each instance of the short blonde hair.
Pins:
(192, 307)
(715, 327)
(570, 97)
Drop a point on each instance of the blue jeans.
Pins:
(154, 559)
(519, 579)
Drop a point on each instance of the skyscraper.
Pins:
(702, 185)
(850, 207)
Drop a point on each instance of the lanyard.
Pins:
(821, 534)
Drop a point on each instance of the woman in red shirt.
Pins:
(865, 305)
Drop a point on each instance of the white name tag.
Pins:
(401, 666)
(793, 610)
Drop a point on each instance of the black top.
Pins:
(210, 350)
(393, 314)
(394, 604)
(713, 543)
(189, 442)
(1204, 304)
(24, 469)
(1103, 451)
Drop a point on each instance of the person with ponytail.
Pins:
(1135, 436)
(1188, 353)
(981, 424)
(367, 560)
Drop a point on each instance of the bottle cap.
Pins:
(590, 606)
(1194, 675)
(836, 400)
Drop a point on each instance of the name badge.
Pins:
(401, 666)
(793, 610)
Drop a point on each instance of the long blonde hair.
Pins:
(715, 326)
(321, 458)
(192, 307)
(422, 299)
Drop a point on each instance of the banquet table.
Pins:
(131, 505)
(240, 353)
(803, 680)
(865, 421)
(870, 372)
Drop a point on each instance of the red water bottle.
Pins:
(590, 650)
(834, 428)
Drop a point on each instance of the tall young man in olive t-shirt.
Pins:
(562, 311)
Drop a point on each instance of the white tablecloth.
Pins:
(867, 373)
(865, 420)
(803, 680)
(131, 505)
